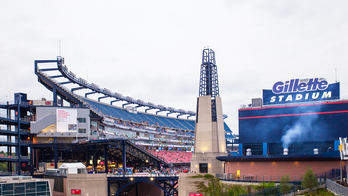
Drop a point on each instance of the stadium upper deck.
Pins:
(176, 132)
(60, 88)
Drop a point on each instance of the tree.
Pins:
(284, 185)
(309, 180)
(3, 167)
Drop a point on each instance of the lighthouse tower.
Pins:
(209, 130)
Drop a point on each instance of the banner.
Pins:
(301, 90)
(66, 120)
(343, 148)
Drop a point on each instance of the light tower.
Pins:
(209, 130)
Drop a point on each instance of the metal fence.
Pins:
(256, 178)
(141, 175)
(336, 188)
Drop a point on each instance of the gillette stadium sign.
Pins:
(301, 90)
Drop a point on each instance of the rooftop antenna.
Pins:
(59, 48)
(335, 74)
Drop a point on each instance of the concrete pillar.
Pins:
(209, 135)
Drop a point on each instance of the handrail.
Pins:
(256, 178)
(3, 156)
(139, 175)
(16, 131)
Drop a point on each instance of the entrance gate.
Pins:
(121, 186)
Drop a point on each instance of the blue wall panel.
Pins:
(298, 123)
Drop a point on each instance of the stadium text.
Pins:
(298, 97)
(297, 85)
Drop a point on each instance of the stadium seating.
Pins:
(121, 113)
(173, 156)
(151, 119)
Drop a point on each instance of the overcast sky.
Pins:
(152, 49)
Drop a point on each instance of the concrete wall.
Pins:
(209, 136)
(277, 168)
(91, 184)
(220, 126)
(203, 129)
(186, 184)
(214, 165)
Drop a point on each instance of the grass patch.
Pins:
(321, 192)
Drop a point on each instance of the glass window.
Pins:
(19, 190)
(7, 192)
(82, 130)
(41, 188)
(81, 120)
(7, 187)
(30, 185)
(43, 194)
(19, 184)
(31, 190)
(41, 183)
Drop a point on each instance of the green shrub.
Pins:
(309, 180)
(284, 185)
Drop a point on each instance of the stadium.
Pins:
(132, 146)
(110, 134)
(297, 124)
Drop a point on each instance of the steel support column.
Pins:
(114, 101)
(61, 101)
(43, 155)
(19, 136)
(124, 162)
(106, 158)
(54, 96)
(87, 157)
(109, 187)
(31, 160)
(55, 154)
(90, 93)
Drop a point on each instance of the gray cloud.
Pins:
(152, 49)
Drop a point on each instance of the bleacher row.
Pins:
(173, 156)
(120, 113)
(160, 121)
(145, 127)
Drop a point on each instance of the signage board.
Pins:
(301, 90)
(76, 191)
(343, 148)
(195, 194)
(66, 120)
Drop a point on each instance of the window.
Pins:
(82, 130)
(81, 120)
(80, 171)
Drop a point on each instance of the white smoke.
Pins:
(299, 131)
(291, 134)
